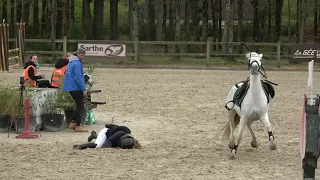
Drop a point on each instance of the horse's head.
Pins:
(88, 79)
(254, 62)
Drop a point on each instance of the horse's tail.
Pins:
(226, 130)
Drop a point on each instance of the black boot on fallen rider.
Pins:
(92, 136)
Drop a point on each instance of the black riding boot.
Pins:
(93, 135)
(85, 146)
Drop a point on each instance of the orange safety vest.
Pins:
(57, 76)
(27, 80)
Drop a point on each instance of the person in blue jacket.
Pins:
(74, 83)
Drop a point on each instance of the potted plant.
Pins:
(52, 118)
(6, 107)
(67, 104)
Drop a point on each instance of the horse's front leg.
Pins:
(254, 142)
(265, 120)
(243, 122)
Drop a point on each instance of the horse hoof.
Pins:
(231, 145)
(254, 143)
(233, 154)
(273, 146)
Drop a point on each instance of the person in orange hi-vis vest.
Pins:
(29, 75)
(59, 71)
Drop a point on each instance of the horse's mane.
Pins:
(253, 54)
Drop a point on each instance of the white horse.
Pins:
(254, 106)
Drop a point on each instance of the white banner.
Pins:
(110, 50)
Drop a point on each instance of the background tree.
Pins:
(113, 19)
(279, 4)
(4, 9)
(240, 23)
(177, 23)
(255, 20)
(228, 28)
(36, 23)
(159, 17)
(98, 19)
(151, 20)
(87, 19)
(315, 19)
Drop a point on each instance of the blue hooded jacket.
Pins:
(74, 76)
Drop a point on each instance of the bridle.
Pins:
(260, 68)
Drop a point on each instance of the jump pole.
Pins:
(2, 58)
(27, 134)
(309, 130)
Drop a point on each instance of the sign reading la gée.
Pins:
(305, 52)
(110, 50)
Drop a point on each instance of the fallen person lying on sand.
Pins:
(111, 136)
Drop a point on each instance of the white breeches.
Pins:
(102, 137)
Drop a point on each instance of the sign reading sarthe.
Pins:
(110, 50)
(305, 52)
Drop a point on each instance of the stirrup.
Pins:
(229, 109)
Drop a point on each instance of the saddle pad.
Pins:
(240, 92)
(268, 89)
(243, 89)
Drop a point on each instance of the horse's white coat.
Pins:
(254, 106)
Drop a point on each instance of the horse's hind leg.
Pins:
(254, 142)
(242, 124)
(265, 120)
(233, 123)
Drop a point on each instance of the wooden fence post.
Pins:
(64, 44)
(207, 52)
(278, 53)
(136, 49)
(2, 58)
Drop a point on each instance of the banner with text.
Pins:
(305, 52)
(109, 50)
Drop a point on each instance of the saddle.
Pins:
(243, 89)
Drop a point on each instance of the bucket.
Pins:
(52, 122)
(4, 123)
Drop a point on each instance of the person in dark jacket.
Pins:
(112, 136)
(59, 70)
(30, 73)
